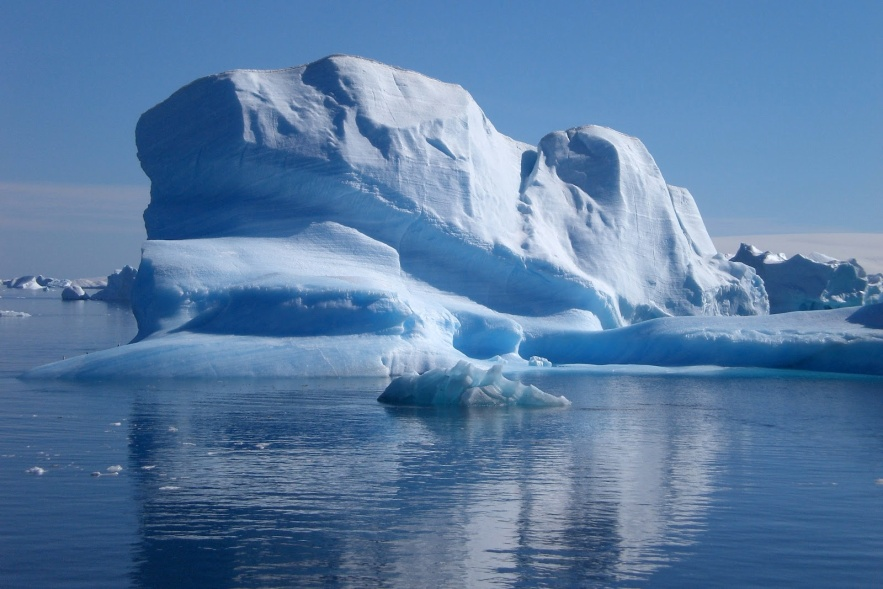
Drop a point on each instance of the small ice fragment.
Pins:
(173, 429)
(115, 469)
(466, 385)
(261, 445)
(879, 481)
(116, 423)
(148, 467)
(96, 474)
(35, 470)
(169, 488)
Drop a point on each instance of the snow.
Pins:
(468, 386)
(348, 218)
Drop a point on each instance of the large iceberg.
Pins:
(346, 217)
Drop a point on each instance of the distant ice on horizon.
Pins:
(866, 248)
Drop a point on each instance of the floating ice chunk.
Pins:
(14, 314)
(25, 283)
(36, 470)
(467, 385)
(538, 361)
(74, 293)
(115, 469)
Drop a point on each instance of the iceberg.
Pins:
(26, 283)
(74, 293)
(90, 283)
(118, 287)
(346, 217)
(806, 283)
(466, 385)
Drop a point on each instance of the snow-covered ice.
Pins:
(349, 218)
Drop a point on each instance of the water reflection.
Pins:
(284, 483)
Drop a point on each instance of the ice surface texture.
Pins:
(350, 218)
(583, 221)
(467, 386)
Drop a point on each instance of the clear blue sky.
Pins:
(770, 112)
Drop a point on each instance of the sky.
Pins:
(768, 111)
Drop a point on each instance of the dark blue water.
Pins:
(734, 480)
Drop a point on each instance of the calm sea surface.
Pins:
(738, 479)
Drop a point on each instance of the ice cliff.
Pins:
(348, 217)
(583, 221)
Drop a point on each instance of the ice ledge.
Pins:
(840, 340)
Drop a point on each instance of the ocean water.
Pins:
(731, 479)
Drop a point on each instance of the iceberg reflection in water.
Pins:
(733, 478)
(245, 484)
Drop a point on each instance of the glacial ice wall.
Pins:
(583, 221)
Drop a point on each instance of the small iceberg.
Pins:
(466, 385)
(74, 292)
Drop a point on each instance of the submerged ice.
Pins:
(350, 218)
